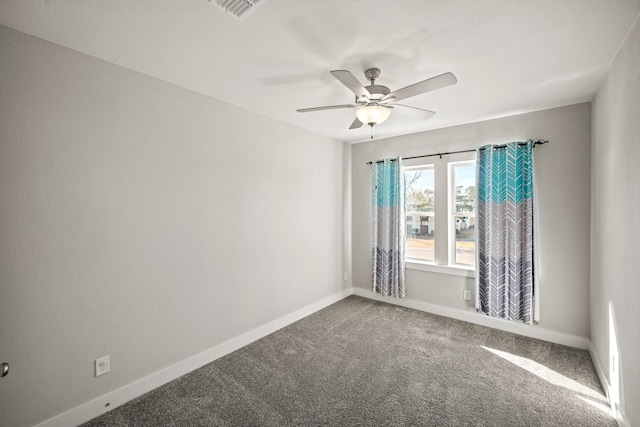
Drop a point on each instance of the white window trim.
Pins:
(442, 180)
(423, 166)
(451, 226)
(457, 270)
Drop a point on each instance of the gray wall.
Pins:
(562, 173)
(615, 229)
(146, 222)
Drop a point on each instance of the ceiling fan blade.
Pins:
(387, 100)
(328, 107)
(437, 82)
(348, 79)
(424, 114)
(356, 124)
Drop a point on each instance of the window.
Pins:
(463, 216)
(440, 212)
(420, 211)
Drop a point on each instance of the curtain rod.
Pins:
(538, 142)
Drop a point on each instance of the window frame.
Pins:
(453, 213)
(443, 263)
(424, 166)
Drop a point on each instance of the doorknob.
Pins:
(4, 369)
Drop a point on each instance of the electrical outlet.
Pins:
(466, 294)
(613, 363)
(103, 366)
(345, 275)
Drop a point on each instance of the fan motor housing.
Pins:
(377, 92)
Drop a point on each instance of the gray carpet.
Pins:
(365, 363)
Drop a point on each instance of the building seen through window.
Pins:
(454, 194)
(420, 205)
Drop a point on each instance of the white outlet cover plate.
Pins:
(103, 365)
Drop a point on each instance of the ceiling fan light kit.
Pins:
(373, 114)
(373, 103)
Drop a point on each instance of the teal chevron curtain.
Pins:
(505, 209)
(388, 227)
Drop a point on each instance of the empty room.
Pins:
(331, 213)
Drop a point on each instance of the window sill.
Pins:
(442, 269)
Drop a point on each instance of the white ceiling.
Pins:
(510, 56)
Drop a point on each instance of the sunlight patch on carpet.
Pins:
(547, 374)
(598, 405)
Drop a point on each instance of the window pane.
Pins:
(464, 177)
(465, 187)
(421, 237)
(419, 203)
(465, 240)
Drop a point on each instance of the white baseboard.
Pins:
(113, 399)
(480, 319)
(536, 332)
(602, 376)
(606, 385)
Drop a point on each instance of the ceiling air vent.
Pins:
(239, 8)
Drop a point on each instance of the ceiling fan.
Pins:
(373, 103)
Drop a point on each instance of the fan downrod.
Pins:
(372, 74)
(377, 91)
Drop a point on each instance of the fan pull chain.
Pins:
(374, 128)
